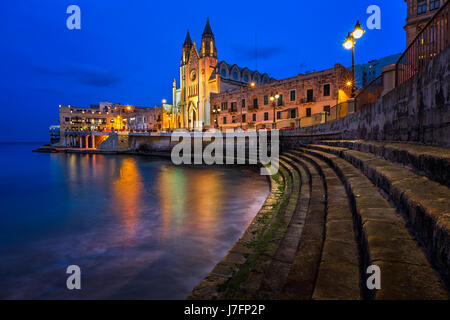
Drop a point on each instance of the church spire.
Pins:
(188, 41)
(208, 48)
(208, 29)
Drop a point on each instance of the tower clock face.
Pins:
(193, 75)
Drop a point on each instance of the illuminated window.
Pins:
(434, 4)
(421, 6)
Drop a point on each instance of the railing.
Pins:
(433, 39)
(337, 112)
(369, 94)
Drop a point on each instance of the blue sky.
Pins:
(129, 51)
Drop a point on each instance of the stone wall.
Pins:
(416, 111)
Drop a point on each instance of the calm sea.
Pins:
(138, 227)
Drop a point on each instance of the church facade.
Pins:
(201, 74)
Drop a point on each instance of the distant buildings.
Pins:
(106, 117)
(365, 73)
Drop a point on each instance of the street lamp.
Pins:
(215, 111)
(272, 99)
(349, 43)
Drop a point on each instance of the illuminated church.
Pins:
(200, 76)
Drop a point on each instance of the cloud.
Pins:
(246, 53)
(83, 73)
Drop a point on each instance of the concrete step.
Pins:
(277, 270)
(300, 282)
(424, 203)
(384, 239)
(433, 162)
(266, 267)
(340, 251)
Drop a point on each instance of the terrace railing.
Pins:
(433, 39)
(370, 93)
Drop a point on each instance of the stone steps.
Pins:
(424, 203)
(300, 283)
(340, 250)
(383, 238)
(431, 161)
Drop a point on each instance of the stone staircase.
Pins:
(335, 209)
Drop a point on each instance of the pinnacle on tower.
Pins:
(208, 29)
(188, 41)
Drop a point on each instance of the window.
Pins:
(235, 75)
(224, 120)
(266, 100)
(326, 90)
(224, 105)
(246, 78)
(278, 115)
(293, 113)
(254, 117)
(67, 119)
(434, 4)
(280, 100)
(243, 118)
(266, 116)
(421, 6)
(243, 103)
(233, 107)
(326, 109)
(293, 97)
(309, 95)
(223, 73)
(255, 103)
(308, 112)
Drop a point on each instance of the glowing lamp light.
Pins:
(348, 44)
(349, 83)
(164, 101)
(252, 84)
(277, 96)
(128, 108)
(272, 98)
(358, 31)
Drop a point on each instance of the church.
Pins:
(201, 74)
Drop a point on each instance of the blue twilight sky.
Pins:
(129, 51)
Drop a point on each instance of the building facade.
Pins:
(419, 12)
(300, 98)
(366, 73)
(202, 75)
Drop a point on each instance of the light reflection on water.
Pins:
(137, 227)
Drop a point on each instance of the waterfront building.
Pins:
(366, 73)
(144, 119)
(201, 74)
(419, 12)
(299, 99)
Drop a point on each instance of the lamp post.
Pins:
(349, 43)
(272, 99)
(215, 111)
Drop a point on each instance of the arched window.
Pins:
(223, 73)
(246, 78)
(235, 75)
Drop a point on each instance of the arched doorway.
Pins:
(192, 116)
